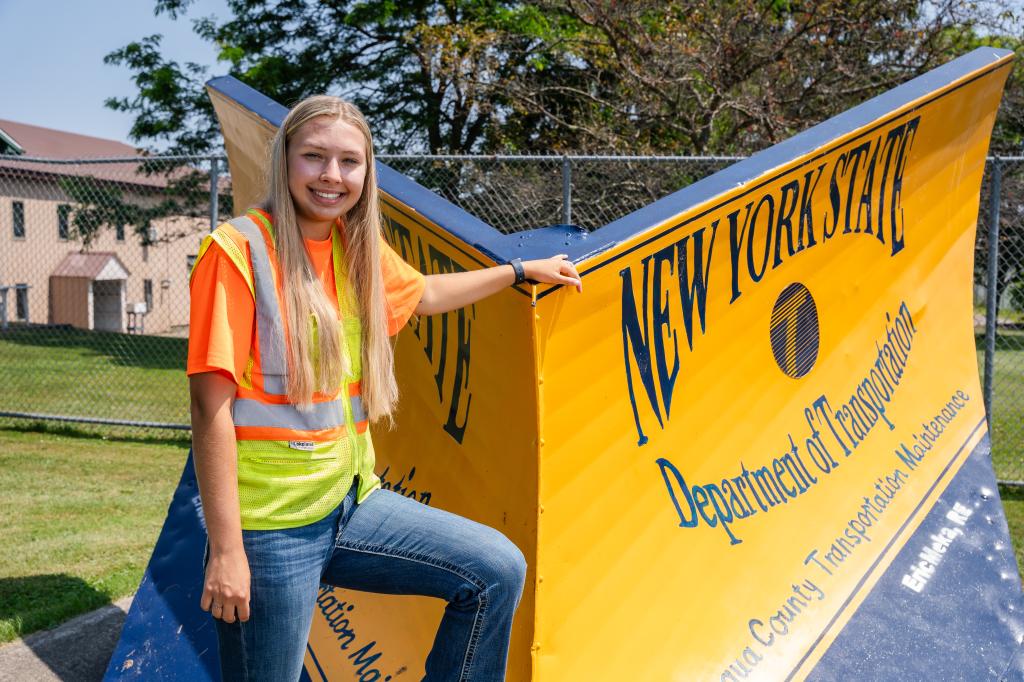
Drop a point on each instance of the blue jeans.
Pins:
(388, 544)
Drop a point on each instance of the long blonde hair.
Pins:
(304, 294)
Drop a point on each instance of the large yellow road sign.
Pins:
(789, 383)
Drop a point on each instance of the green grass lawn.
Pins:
(81, 516)
(65, 371)
(1013, 505)
(1007, 403)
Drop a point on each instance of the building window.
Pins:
(147, 291)
(119, 230)
(18, 218)
(21, 301)
(63, 222)
(190, 262)
(145, 252)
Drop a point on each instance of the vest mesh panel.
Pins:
(279, 486)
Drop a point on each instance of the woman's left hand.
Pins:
(555, 270)
(449, 291)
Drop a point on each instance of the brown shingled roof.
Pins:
(47, 143)
(57, 144)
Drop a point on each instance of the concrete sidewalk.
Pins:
(78, 650)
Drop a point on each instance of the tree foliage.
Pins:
(722, 77)
(646, 76)
(423, 72)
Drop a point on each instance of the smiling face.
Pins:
(326, 173)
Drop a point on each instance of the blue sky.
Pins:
(51, 58)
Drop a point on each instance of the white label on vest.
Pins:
(306, 445)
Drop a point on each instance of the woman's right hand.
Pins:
(226, 588)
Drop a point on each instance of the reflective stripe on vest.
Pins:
(230, 249)
(269, 326)
(319, 417)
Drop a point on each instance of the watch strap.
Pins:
(517, 266)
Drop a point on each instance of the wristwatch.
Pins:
(517, 266)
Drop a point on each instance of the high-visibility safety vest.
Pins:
(294, 466)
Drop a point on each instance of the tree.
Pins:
(721, 77)
(422, 71)
(708, 77)
(646, 76)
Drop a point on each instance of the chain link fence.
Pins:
(94, 286)
(999, 310)
(96, 253)
(516, 193)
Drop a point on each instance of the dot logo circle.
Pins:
(794, 333)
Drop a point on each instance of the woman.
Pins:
(280, 412)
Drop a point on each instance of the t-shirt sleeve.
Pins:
(403, 287)
(221, 317)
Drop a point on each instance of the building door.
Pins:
(107, 300)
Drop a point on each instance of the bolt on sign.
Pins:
(754, 448)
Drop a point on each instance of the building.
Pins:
(115, 279)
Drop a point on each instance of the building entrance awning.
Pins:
(93, 266)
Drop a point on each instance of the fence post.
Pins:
(566, 191)
(214, 196)
(991, 302)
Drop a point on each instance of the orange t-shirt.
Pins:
(222, 314)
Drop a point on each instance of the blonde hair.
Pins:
(304, 294)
